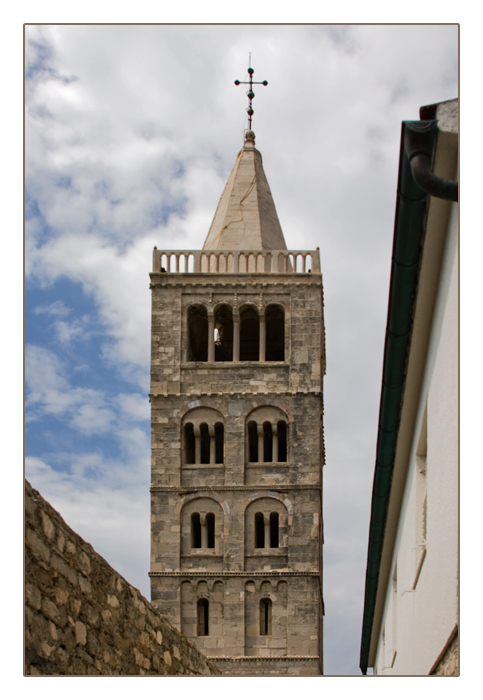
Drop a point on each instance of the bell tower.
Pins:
(237, 366)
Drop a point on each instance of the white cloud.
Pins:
(134, 406)
(56, 308)
(92, 416)
(66, 331)
(89, 411)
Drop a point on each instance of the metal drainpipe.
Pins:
(418, 146)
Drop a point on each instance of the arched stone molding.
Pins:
(271, 494)
(203, 494)
(255, 584)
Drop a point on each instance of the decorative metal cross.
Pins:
(250, 93)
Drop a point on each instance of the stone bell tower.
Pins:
(238, 358)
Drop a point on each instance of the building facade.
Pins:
(238, 359)
(411, 608)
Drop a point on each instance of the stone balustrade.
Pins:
(236, 261)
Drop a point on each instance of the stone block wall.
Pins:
(83, 618)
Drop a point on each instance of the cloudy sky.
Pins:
(131, 133)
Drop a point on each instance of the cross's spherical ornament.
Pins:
(250, 95)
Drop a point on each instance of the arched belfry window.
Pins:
(275, 333)
(252, 441)
(210, 530)
(203, 435)
(267, 532)
(203, 615)
(197, 333)
(189, 444)
(282, 440)
(249, 333)
(204, 444)
(195, 531)
(223, 334)
(266, 529)
(259, 531)
(202, 530)
(267, 442)
(219, 443)
(267, 436)
(265, 617)
(201, 524)
(274, 520)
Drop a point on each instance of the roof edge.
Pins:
(410, 269)
(408, 231)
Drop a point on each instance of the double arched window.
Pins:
(267, 530)
(227, 334)
(201, 521)
(202, 530)
(267, 533)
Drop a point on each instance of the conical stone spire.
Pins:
(246, 218)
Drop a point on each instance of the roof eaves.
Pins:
(407, 242)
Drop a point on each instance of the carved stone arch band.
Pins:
(271, 494)
(202, 494)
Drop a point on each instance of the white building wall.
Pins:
(420, 616)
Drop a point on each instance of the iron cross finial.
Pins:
(250, 94)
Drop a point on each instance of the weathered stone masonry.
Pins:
(83, 618)
(235, 488)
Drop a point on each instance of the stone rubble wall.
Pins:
(83, 618)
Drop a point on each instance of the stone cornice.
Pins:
(203, 394)
(235, 365)
(185, 280)
(233, 574)
(279, 488)
(264, 659)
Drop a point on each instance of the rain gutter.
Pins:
(416, 154)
